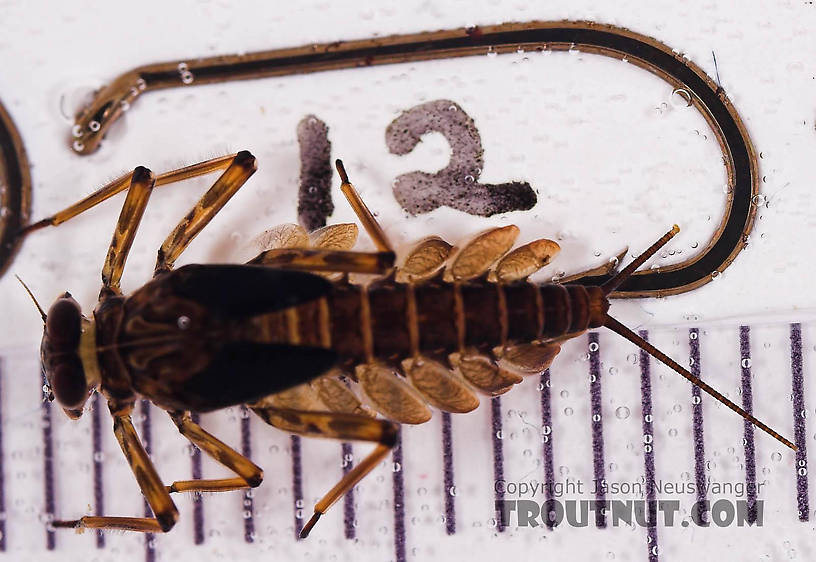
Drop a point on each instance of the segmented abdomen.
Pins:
(392, 321)
(435, 333)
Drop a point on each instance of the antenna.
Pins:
(30, 294)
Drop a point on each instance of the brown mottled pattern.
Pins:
(436, 316)
(522, 311)
(579, 306)
(557, 313)
(482, 325)
(389, 320)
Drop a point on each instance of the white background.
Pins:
(614, 163)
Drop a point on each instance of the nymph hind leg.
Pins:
(155, 493)
(249, 474)
(346, 427)
(326, 256)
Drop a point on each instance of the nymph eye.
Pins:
(63, 324)
(68, 383)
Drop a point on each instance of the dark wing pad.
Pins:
(245, 290)
(243, 372)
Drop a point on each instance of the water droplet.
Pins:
(681, 98)
(622, 412)
(759, 199)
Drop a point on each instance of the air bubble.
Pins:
(693, 336)
(593, 347)
(681, 98)
(746, 363)
(776, 456)
(78, 146)
(94, 126)
(76, 131)
(183, 322)
(564, 394)
(622, 412)
(715, 275)
(568, 411)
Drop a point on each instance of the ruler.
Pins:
(604, 412)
